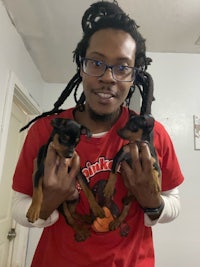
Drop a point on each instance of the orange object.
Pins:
(101, 225)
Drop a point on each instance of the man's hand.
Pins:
(141, 178)
(59, 182)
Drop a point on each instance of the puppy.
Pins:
(64, 137)
(137, 129)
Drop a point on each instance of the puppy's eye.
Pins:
(66, 137)
(63, 139)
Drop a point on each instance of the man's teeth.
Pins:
(106, 96)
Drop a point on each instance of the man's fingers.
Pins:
(135, 156)
(127, 174)
(54, 165)
(140, 155)
(51, 157)
(63, 168)
(145, 155)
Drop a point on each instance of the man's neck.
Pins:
(97, 123)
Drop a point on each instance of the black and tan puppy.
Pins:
(138, 128)
(64, 137)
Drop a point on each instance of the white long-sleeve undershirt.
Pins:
(22, 202)
(171, 209)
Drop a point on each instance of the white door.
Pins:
(8, 228)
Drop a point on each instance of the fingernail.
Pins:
(142, 143)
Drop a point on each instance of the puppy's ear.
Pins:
(149, 121)
(56, 122)
(86, 131)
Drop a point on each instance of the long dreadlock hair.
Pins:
(102, 15)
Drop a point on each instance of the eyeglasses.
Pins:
(97, 68)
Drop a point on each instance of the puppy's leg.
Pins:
(110, 185)
(81, 231)
(95, 207)
(127, 204)
(156, 171)
(34, 210)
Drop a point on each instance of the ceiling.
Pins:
(51, 29)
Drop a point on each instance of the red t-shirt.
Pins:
(57, 246)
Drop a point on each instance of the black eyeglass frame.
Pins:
(84, 59)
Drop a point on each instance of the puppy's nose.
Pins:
(69, 152)
(69, 155)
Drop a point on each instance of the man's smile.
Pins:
(105, 95)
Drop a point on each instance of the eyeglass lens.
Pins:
(98, 68)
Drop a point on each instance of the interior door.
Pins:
(12, 250)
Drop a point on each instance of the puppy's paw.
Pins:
(33, 214)
(113, 225)
(82, 234)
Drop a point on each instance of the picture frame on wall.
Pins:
(196, 123)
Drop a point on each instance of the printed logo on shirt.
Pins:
(111, 209)
(101, 165)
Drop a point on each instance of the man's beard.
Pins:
(103, 117)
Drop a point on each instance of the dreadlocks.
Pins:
(102, 15)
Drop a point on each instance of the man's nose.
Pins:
(108, 75)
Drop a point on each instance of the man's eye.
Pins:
(122, 68)
(97, 63)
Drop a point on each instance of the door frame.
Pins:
(15, 88)
(18, 93)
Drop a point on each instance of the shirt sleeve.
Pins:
(170, 168)
(20, 206)
(37, 136)
(171, 208)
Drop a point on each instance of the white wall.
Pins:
(51, 92)
(14, 57)
(176, 78)
(177, 100)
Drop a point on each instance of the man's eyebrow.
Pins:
(103, 56)
(96, 54)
